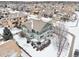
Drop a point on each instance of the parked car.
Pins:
(76, 53)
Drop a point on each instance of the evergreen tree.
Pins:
(7, 34)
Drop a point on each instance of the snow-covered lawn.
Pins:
(74, 30)
(50, 51)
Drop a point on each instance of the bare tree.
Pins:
(61, 33)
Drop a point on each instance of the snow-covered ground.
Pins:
(48, 52)
(74, 30)
(51, 50)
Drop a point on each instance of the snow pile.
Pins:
(46, 19)
(33, 17)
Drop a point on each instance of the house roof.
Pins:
(38, 25)
(28, 25)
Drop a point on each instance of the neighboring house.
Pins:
(13, 22)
